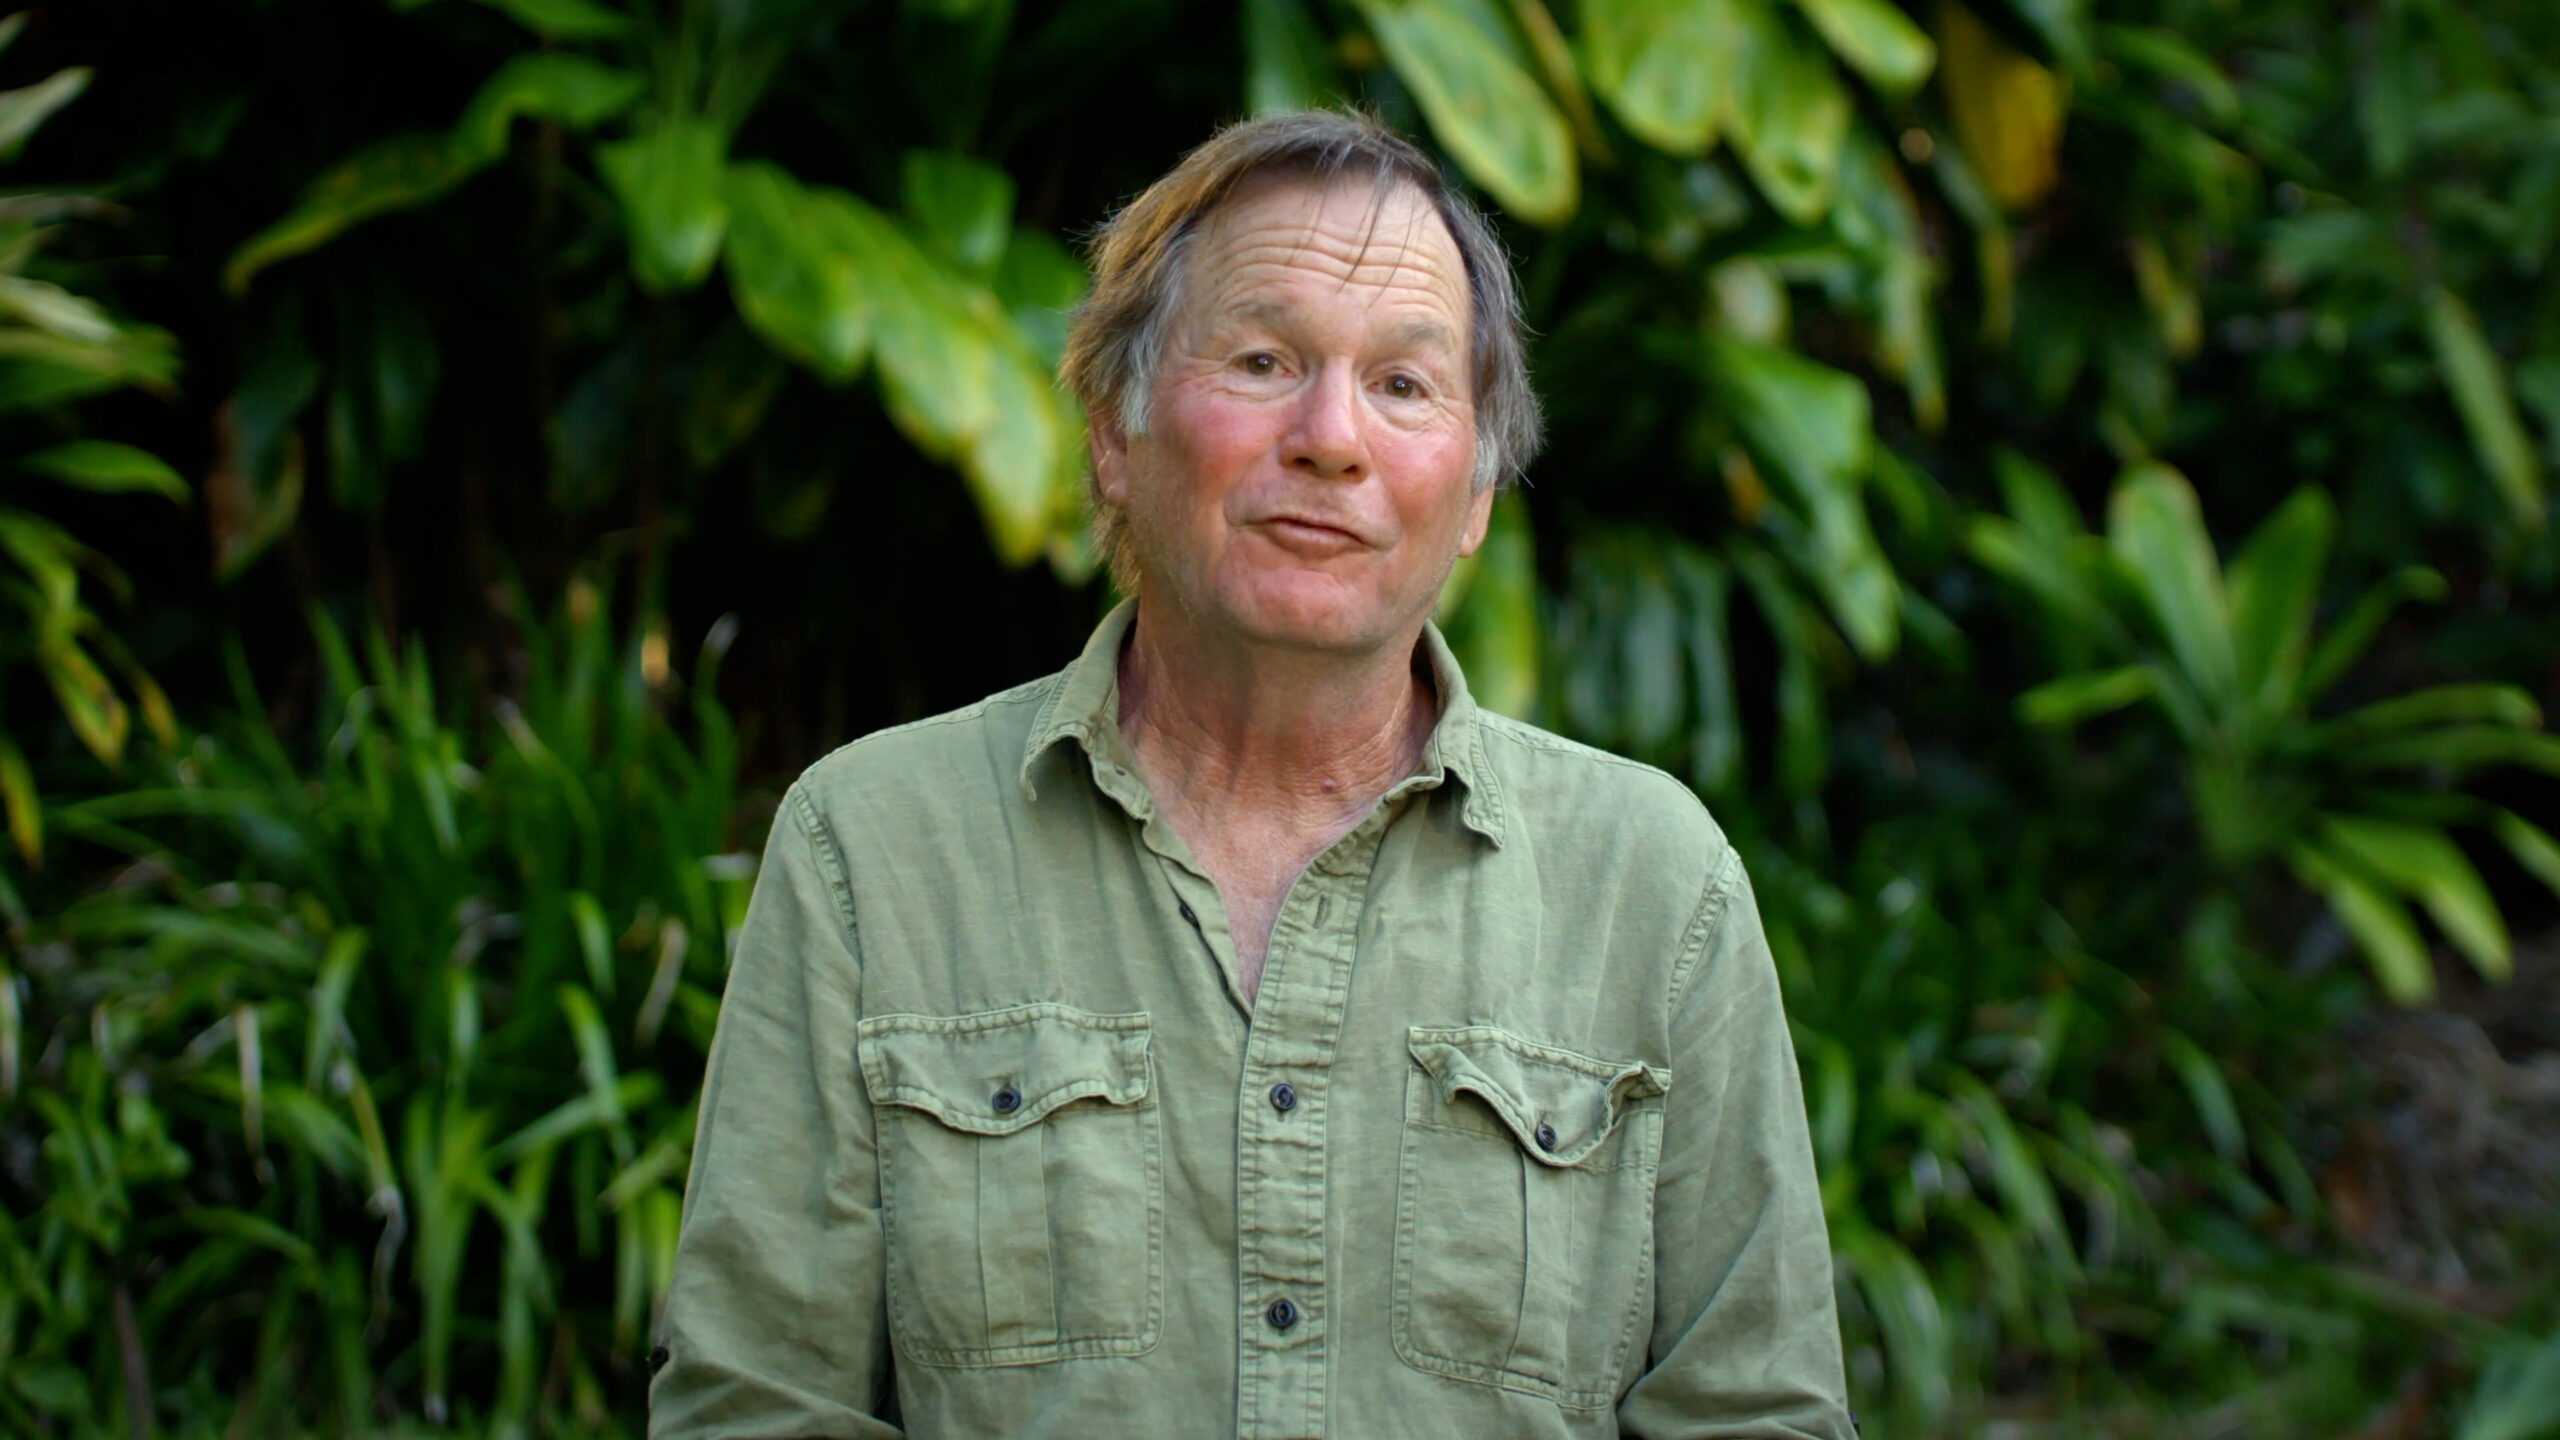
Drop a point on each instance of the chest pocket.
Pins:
(1021, 1187)
(1524, 1213)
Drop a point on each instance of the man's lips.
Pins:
(1299, 532)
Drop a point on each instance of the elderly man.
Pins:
(1240, 1033)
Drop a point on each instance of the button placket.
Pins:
(1282, 1253)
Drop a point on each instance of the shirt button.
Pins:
(1284, 1097)
(1008, 1100)
(657, 1358)
(1282, 1314)
(1546, 1137)
(1185, 907)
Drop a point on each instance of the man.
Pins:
(1240, 1033)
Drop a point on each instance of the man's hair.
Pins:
(1116, 337)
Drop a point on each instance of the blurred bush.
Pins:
(353, 1023)
(357, 1000)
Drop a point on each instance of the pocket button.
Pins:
(1008, 1100)
(1546, 1137)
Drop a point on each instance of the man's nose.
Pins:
(1329, 438)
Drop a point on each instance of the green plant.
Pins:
(367, 1092)
(960, 311)
(2356, 803)
(58, 347)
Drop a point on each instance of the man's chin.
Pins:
(1319, 618)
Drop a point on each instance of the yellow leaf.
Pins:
(2007, 108)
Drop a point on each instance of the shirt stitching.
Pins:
(1705, 923)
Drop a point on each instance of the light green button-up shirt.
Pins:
(1510, 1143)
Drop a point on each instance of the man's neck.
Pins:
(1301, 739)
(1259, 762)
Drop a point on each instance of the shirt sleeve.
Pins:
(776, 1317)
(1746, 1336)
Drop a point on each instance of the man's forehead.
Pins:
(1353, 229)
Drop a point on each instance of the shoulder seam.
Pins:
(1535, 738)
(1708, 919)
(821, 838)
(971, 711)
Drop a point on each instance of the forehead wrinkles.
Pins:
(1384, 242)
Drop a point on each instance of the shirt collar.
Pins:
(1084, 706)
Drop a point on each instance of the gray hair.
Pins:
(1116, 337)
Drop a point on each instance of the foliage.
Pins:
(2229, 660)
(374, 1053)
(58, 346)
(1847, 314)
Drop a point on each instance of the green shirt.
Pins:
(1510, 1144)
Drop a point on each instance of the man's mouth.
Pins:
(1302, 532)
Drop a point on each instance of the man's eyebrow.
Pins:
(1420, 335)
(1259, 312)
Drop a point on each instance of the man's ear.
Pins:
(1479, 518)
(1109, 446)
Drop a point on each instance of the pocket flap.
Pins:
(997, 1071)
(1574, 1099)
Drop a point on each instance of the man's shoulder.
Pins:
(1563, 787)
(942, 756)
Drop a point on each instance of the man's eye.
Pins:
(1403, 387)
(1261, 362)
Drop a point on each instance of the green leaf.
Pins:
(962, 205)
(595, 1063)
(2436, 705)
(400, 173)
(254, 1229)
(2347, 640)
(1790, 116)
(2419, 860)
(1877, 40)
(2074, 698)
(1285, 64)
(1916, 1334)
(2274, 585)
(937, 364)
(564, 89)
(23, 110)
(2036, 500)
(797, 262)
(107, 468)
(1804, 731)
(595, 941)
(410, 170)
(2210, 1093)
(2159, 540)
(1665, 67)
(18, 798)
(1011, 465)
(2169, 56)
(672, 180)
(1477, 92)
(2460, 748)
(1495, 629)
(565, 19)
(2532, 846)
(2518, 1397)
(1039, 282)
(2379, 924)
(2479, 385)
(1810, 424)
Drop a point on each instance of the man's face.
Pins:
(1305, 476)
